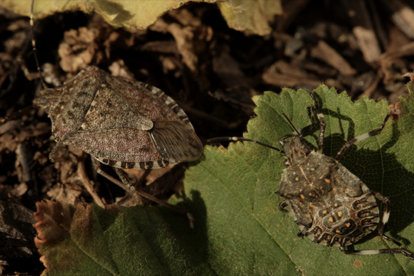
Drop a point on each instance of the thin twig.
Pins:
(87, 183)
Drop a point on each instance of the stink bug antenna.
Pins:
(221, 139)
(34, 47)
(291, 123)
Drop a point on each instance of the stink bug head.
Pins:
(47, 99)
(296, 150)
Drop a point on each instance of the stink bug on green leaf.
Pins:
(330, 205)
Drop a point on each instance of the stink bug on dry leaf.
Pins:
(120, 123)
(331, 206)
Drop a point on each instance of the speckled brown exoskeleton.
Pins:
(124, 124)
(331, 206)
(121, 123)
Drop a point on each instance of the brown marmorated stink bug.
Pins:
(331, 206)
(120, 123)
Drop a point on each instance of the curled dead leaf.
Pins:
(78, 49)
(53, 221)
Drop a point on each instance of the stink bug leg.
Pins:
(330, 205)
(360, 138)
(381, 231)
(137, 194)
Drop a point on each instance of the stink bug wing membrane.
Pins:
(172, 135)
(177, 141)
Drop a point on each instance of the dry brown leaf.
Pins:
(78, 49)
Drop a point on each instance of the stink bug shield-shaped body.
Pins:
(331, 206)
(120, 123)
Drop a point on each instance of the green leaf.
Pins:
(247, 235)
(240, 14)
(88, 240)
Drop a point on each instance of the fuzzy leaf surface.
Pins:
(249, 236)
(239, 14)
(88, 240)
